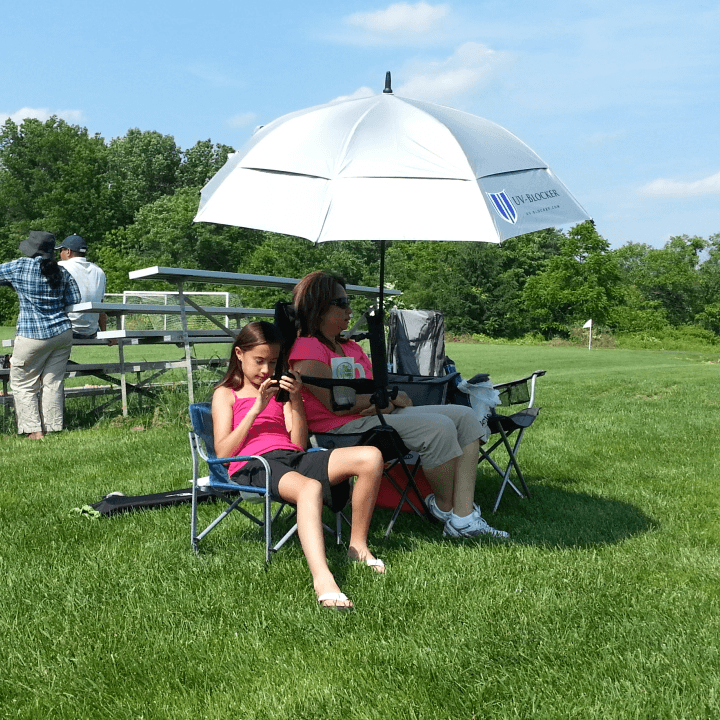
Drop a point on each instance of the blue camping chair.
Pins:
(202, 446)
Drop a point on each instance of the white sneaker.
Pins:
(441, 515)
(471, 526)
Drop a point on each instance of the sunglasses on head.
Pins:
(341, 302)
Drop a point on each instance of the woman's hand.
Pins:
(402, 400)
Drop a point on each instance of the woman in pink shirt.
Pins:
(445, 436)
(247, 420)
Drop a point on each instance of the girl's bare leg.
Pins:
(366, 463)
(306, 494)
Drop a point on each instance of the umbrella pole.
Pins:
(382, 280)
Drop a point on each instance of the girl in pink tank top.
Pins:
(248, 420)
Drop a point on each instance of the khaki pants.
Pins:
(438, 433)
(37, 377)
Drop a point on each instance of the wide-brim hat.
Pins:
(39, 243)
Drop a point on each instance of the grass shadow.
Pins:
(557, 517)
(553, 517)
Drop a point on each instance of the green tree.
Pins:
(164, 234)
(143, 167)
(518, 259)
(53, 176)
(291, 257)
(201, 162)
(442, 276)
(476, 286)
(666, 277)
(708, 277)
(582, 282)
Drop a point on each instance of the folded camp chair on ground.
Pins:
(202, 446)
(516, 392)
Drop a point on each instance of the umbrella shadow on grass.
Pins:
(552, 517)
(561, 518)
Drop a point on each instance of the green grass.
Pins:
(605, 604)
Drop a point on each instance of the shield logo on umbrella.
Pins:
(504, 206)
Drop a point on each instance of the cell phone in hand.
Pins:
(282, 395)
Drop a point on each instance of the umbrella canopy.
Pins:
(387, 168)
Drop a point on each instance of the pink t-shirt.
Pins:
(267, 433)
(319, 418)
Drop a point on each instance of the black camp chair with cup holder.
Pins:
(508, 430)
(202, 447)
(382, 387)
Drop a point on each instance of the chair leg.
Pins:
(285, 538)
(267, 514)
(512, 463)
(218, 519)
(405, 495)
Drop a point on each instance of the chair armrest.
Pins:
(516, 397)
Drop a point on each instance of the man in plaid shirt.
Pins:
(44, 334)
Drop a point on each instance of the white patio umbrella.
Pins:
(387, 168)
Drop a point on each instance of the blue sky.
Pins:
(619, 98)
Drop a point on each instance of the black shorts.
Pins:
(311, 464)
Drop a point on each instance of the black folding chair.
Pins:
(382, 387)
(422, 391)
(516, 392)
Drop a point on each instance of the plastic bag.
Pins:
(483, 398)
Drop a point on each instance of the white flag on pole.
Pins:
(588, 324)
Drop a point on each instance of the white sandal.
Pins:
(371, 563)
(375, 562)
(336, 597)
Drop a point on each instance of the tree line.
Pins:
(133, 199)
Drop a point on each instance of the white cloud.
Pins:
(604, 138)
(403, 18)
(242, 120)
(361, 92)
(454, 79)
(402, 24)
(74, 117)
(663, 187)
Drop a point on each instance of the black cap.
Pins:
(39, 243)
(74, 243)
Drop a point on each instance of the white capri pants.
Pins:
(37, 377)
(438, 433)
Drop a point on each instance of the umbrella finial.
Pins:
(387, 89)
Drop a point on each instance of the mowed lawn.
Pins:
(604, 604)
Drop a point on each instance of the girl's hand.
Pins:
(293, 386)
(267, 390)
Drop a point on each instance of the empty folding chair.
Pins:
(516, 392)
